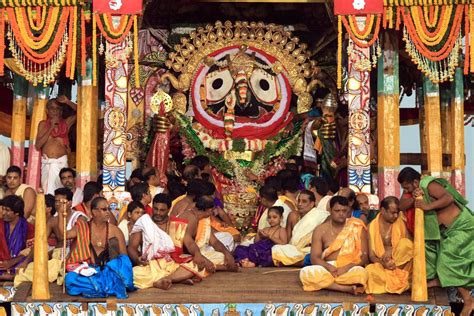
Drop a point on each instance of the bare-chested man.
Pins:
(339, 251)
(186, 202)
(16, 187)
(449, 232)
(52, 139)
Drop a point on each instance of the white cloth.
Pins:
(77, 197)
(154, 191)
(50, 168)
(226, 239)
(4, 159)
(123, 226)
(309, 154)
(324, 203)
(263, 222)
(156, 243)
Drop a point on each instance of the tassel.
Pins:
(339, 52)
(94, 50)
(135, 51)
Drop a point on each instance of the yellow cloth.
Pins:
(298, 247)
(316, 277)
(145, 276)
(176, 201)
(220, 228)
(203, 236)
(382, 280)
(54, 270)
(348, 243)
(288, 201)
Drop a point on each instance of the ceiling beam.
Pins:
(265, 1)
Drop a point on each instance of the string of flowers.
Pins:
(32, 3)
(83, 44)
(361, 38)
(114, 35)
(39, 46)
(435, 52)
(467, 53)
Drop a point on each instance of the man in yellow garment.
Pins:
(339, 251)
(390, 251)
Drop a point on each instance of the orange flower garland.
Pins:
(83, 44)
(40, 45)
(2, 41)
(357, 36)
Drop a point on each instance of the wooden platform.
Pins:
(260, 285)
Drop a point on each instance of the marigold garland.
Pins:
(357, 36)
(339, 52)
(83, 44)
(136, 55)
(40, 18)
(94, 50)
(467, 51)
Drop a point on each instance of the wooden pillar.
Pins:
(33, 176)
(445, 108)
(458, 162)
(432, 128)
(388, 118)
(115, 126)
(358, 162)
(87, 127)
(18, 135)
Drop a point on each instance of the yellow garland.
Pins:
(94, 50)
(355, 28)
(74, 45)
(49, 32)
(111, 29)
(426, 11)
(339, 52)
(135, 51)
(33, 25)
(435, 40)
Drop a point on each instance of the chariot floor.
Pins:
(261, 285)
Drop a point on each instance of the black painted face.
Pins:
(251, 90)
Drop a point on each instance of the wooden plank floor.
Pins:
(261, 285)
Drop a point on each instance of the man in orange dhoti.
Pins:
(390, 251)
(339, 251)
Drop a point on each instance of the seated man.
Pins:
(68, 180)
(16, 187)
(207, 243)
(449, 242)
(338, 252)
(156, 246)
(186, 202)
(17, 236)
(62, 203)
(391, 251)
(97, 265)
(309, 217)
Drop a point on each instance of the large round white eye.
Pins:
(218, 85)
(264, 86)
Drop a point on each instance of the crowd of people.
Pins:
(181, 233)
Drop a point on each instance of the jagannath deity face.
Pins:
(241, 80)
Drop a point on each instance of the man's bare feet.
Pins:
(187, 282)
(246, 263)
(468, 302)
(433, 283)
(164, 284)
(358, 289)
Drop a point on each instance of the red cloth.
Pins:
(148, 210)
(410, 214)
(4, 252)
(82, 208)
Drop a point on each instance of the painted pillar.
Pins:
(358, 85)
(18, 135)
(388, 118)
(445, 100)
(115, 126)
(432, 128)
(87, 126)
(33, 176)
(458, 162)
